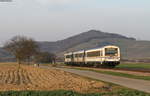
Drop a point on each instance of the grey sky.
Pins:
(51, 20)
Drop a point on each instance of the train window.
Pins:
(111, 51)
(93, 54)
(68, 56)
(76, 55)
(79, 55)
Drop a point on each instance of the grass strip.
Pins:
(134, 65)
(123, 92)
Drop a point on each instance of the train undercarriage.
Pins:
(105, 64)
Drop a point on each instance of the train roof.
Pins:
(68, 53)
(81, 51)
(102, 47)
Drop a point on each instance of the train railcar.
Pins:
(104, 56)
(78, 57)
(68, 58)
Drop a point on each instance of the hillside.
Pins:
(85, 37)
(130, 47)
(5, 56)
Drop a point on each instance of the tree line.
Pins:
(26, 50)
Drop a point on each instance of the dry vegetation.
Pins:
(33, 78)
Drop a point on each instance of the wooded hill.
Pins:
(130, 47)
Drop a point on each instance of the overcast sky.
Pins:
(51, 20)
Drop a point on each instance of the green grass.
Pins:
(134, 65)
(126, 75)
(123, 92)
(117, 74)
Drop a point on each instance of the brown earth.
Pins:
(33, 78)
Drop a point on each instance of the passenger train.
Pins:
(106, 56)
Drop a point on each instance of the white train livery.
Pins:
(105, 56)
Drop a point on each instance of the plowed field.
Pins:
(33, 78)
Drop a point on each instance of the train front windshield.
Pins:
(111, 51)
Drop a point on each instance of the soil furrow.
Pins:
(34, 78)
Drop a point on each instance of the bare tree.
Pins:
(22, 48)
(30, 49)
(45, 57)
